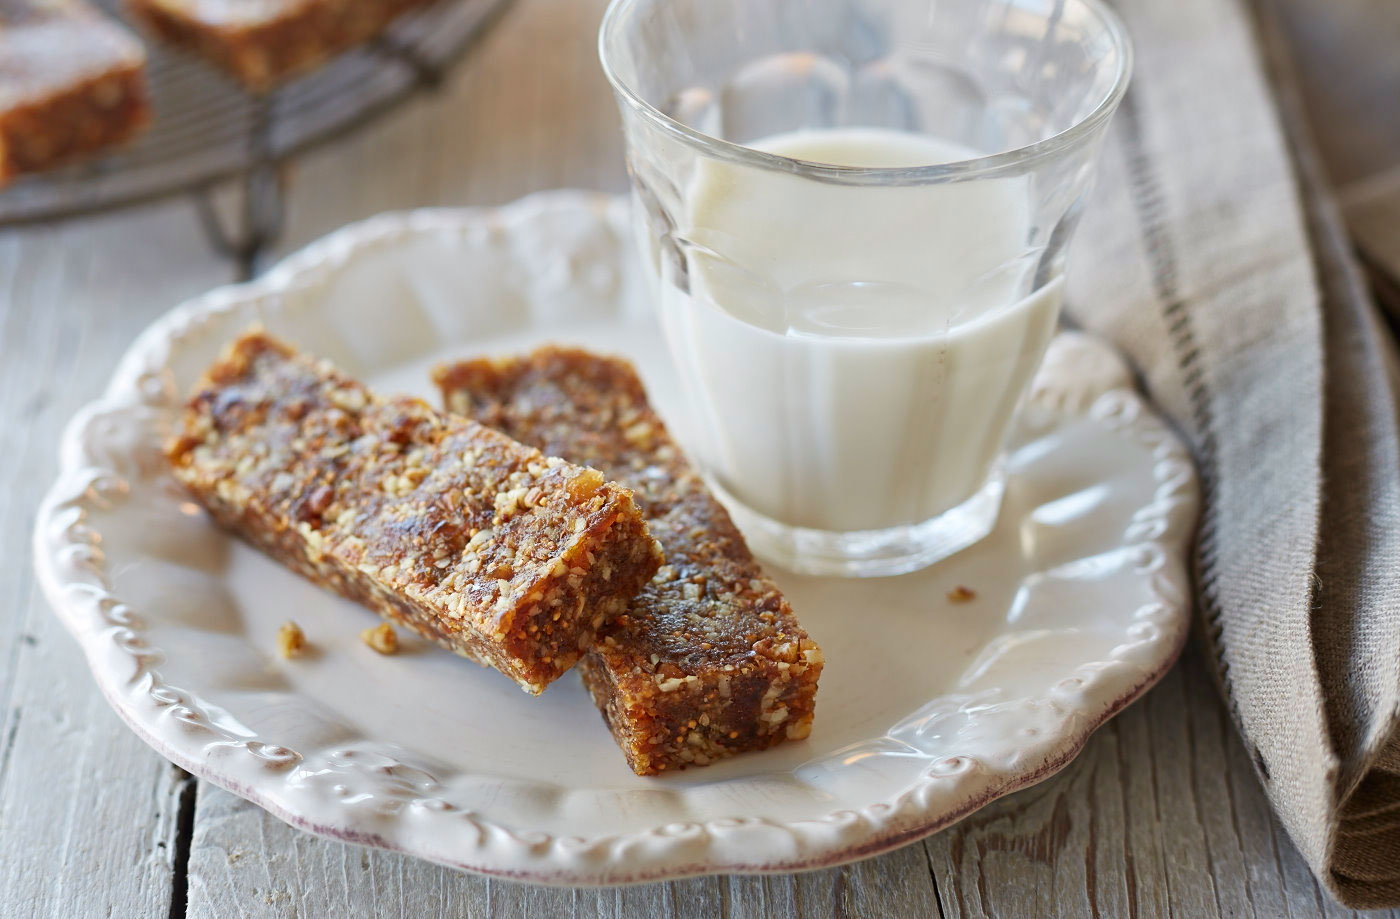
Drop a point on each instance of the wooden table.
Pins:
(1160, 816)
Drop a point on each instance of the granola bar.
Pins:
(263, 43)
(708, 660)
(487, 547)
(71, 83)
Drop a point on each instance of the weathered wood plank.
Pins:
(88, 813)
(1161, 816)
(244, 862)
(528, 109)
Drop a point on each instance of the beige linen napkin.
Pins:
(1217, 265)
(1356, 611)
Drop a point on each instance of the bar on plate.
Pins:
(709, 660)
(71, 83)
(263, 43)
(485, 546)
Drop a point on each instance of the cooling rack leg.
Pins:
(426, 73)
(259, 217)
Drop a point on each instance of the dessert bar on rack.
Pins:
(487, 547)
(709, 660)
(71, 83)
(263, 43)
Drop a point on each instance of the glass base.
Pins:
(871, 553)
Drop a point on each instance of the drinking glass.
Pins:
(856, 214)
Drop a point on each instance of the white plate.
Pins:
(927, 709)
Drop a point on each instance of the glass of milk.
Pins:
(856, 214)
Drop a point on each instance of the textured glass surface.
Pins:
(855, 333)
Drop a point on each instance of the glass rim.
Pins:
(975, 167)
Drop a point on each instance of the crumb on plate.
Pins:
(961, 594)
(291, 640)
(381, 638)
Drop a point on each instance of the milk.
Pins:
(854, 354)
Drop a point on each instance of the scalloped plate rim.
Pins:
(337, 248)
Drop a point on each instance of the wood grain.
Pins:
(88, 814)
(528, 109)
(246, 863)
(1160, 816)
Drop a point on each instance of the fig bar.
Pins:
(708, 660)
(262, 43)
(71, 83)
(487, 547)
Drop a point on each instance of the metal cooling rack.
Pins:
(208, 129)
